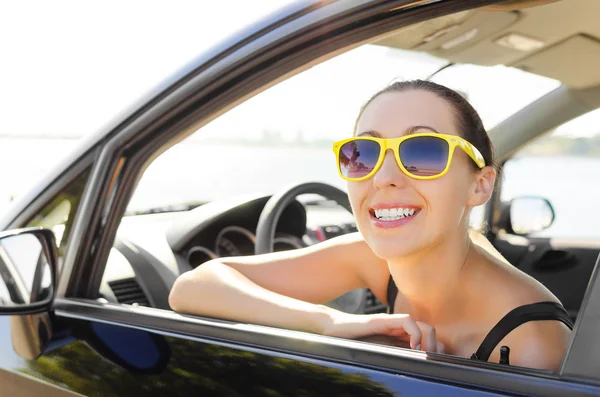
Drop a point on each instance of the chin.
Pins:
(390, 248)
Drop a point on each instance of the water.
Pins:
(571, 184)
(25, 161)
(195, 171)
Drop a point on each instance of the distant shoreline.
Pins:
(545, 147)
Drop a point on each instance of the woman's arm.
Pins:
(218, 290)
(283, 289)
(288, 289)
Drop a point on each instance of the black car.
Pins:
(86, 277)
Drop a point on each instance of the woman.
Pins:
(419, 162)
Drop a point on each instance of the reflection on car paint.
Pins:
(200, 368)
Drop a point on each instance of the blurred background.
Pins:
(69, 67)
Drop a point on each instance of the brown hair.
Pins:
(468, 122)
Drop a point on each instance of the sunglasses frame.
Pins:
(393, 144)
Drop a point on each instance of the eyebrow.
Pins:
(409, 131)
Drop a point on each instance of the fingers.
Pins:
(422, 335)
(428, 339)
(440, 347)
(410, 327)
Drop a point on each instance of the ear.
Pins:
(482, 187)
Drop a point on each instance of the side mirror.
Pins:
(526, 215)
(28, 263)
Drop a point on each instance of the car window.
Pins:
(562, 167)
(284, 134)
(58, 215)
(281, 137)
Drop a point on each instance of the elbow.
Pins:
(177, 296)
(192, 288)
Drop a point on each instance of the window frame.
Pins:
(545, 108)
(314, 31)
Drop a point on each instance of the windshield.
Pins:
(284, 134)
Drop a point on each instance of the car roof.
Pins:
(540, 40)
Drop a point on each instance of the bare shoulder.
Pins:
(508, 286)
(535, 344)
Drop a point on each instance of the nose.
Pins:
(389, 174)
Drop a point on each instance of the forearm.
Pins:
(217, 290)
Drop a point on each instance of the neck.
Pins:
(428, 280)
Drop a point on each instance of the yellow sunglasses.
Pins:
(424, 155)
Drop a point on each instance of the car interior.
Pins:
(555, 39)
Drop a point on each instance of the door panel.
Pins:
(18, 385)
(201, 368)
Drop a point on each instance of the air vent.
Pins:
(129, 292)
(373, 305)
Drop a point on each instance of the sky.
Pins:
(70, 66)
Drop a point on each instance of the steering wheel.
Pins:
(351, 302)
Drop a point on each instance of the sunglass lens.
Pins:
(358, 158)
(424, 155)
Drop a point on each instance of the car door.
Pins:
(92, 347)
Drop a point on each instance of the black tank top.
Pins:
(533, 312)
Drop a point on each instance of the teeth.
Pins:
(393, 214)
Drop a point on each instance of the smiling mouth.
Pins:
(393, 214)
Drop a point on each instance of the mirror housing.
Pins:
(526, 214)
(28, 269)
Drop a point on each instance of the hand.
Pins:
(402, 327)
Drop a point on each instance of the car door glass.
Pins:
(58, 215)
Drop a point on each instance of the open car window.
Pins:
(280, 137)
(570, 159)
(284, 135)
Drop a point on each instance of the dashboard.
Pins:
(237, 241)
(218, 230)
(151, 251)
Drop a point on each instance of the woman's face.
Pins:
(440, 205)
